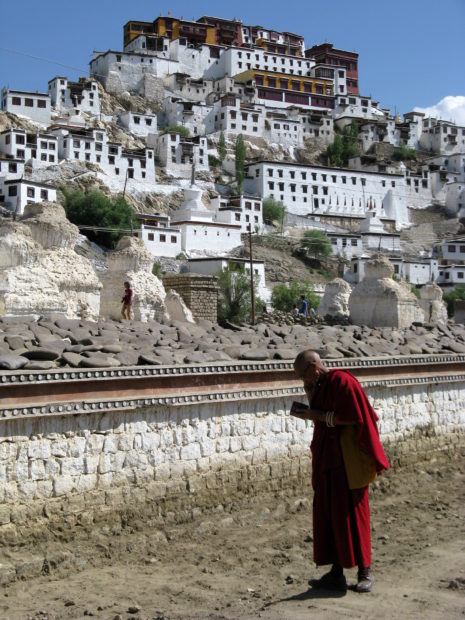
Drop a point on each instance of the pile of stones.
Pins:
(54, 342)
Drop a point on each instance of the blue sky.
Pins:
(411, 52)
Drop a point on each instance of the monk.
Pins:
(346, 456)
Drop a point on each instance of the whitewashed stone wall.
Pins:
(70, 465)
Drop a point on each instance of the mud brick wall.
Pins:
(175, 461)
(199, 292)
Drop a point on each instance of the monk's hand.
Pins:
(299, 410)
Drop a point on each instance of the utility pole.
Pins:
(125, 182)
(252, 294)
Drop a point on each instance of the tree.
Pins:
(234, 299)
(457, 293)
(273, 210)
(344, 146)
(222, 151)
(284, 296)
(335, 151)
(240, 153)
(316, 243)
(96, 209)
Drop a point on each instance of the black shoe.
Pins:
(330, 581)
(365, 580)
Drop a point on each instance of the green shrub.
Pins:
(222, 150)
(450, 296)
(316, 243)
(344, 146)
(156, 270)
(273, 210)
(404, 153)
(180, 129)
(284, 296)
(96, 209)
(234, 298)
(213, 161)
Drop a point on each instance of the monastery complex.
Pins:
(214, 77)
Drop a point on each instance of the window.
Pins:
(151, 237)
(460, 275)
(44, 194)
(41, 103)
(29, 103)
(51, 158)
(16, 101)
(20, 139)
(162, 238)
(173, 239)
(137, 120)
(13, 190)
(76, 144)
(20, 153)
(353, 242)
(43, 157)
(315, 189)
(393, 183)
(270, 185)
(451, 248)
(344, 179)
(30, 192)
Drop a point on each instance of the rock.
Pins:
(72, 359)
(40, 365)
(335, 302)
(255, 354)
(98, 361)
(380, 301)
(285, 354)
(128, 358)
(152, 360)
(41, 353)
(12, 362)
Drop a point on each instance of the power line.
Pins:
(42, 59)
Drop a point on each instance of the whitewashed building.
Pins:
(244, 210)
(442, 137)
(199, 231)
(159, 237)
(177, 154)
(82, 95)
(141, 124)
(312, 190)
(35, 106)
(417, 272)
(92, 146)
(231, 115)
(11, 168)
(39, 149)
(196, 117)
(15, 194)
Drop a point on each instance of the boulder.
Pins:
(335, 302)
(131, 262)
(379, 301)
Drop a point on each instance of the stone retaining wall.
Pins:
(199, 292)
(177, 460)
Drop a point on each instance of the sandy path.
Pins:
(255, 563)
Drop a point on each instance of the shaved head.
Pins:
(308, 358)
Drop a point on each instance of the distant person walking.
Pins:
(127, 301)
(303, 308)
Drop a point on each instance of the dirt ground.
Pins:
(255, 562)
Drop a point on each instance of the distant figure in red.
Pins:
(346, 457)
(127, 301)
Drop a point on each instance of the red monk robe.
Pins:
(341, 517)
